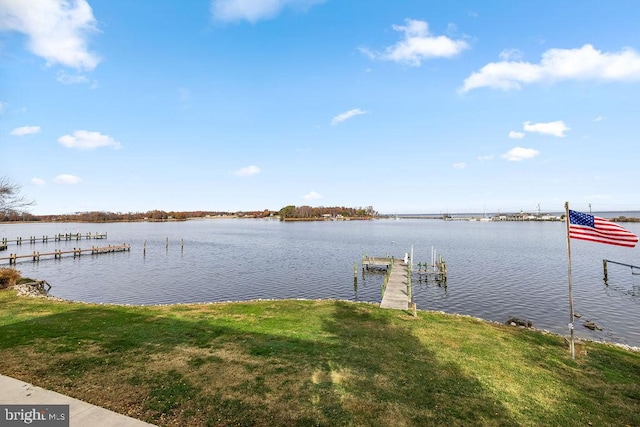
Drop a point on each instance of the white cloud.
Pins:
(312, 196)
(67, 179)
(56, 30)
(516, 135)
(460, 165)
(255, 10)
(517, 154)
(70, 79)
(38, 181)
(25, 130)
(486, 157)
(85, 140)
(248, 171)
(511, 55)
(585, 63)
(346, 116)
(600, 118)
(557, 128)
(418, 45)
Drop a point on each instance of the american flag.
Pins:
(588, 227)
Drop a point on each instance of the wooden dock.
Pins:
(56, 238)
(376, 263)
(58, 254)
(397, 292)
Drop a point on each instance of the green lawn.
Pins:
(312, 363)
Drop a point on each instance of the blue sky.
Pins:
(408, 106)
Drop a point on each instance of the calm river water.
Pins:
(496, 269)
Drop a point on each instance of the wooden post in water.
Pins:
(166, 246)
(409, 291)
(144, 249)
(606, 275)
(182, 244)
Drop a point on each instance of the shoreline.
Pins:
(455, 217)
(22, 292)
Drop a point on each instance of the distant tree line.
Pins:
(154, 215)
(309, 212)
(625, 219)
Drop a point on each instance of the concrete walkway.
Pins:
(81, 413)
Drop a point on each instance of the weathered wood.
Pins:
(396, 295)
(13, 258)
(39, 285)
(57, 237)
(397, 288)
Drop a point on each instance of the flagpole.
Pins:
(571, 344)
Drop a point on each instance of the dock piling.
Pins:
(58, 253)
(397, 287)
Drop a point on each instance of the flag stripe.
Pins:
(594, 229)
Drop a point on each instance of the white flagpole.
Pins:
(571, 344)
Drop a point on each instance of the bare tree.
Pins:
(10, 199)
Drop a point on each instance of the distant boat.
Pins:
(484, 217)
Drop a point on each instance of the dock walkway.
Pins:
(397, 291)
(396, 295)
(62, 237)
(57, 254)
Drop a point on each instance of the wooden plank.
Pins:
(76, 252)
(58, 237)
(395, 295)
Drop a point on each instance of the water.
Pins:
(495, 269)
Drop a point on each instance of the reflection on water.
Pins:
(495, 270)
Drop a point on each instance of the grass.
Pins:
(312, 363)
